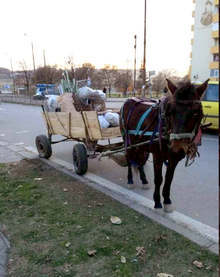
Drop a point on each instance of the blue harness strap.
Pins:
(141, 120)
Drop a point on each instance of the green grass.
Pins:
(51, 230)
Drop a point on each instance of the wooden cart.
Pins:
(82, 127)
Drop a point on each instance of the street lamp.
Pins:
(135, 47)
(144, 60)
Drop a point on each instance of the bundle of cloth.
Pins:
(109, 119)
(91, 99)
(52, 104)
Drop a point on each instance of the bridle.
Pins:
(194, 135)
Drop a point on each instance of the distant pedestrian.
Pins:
(165, 90)
(104, 90)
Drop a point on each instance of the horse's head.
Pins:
(183, 114)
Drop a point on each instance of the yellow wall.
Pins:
(214, 65)
(215, 34)
(215, 49)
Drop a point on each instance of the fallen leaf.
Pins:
(115, 220)
(198, 264)
(164, 275)
(67, 244)
(116, 252)
(123, 260)
(92, 252)
(140, 251)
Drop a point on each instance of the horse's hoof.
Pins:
(130, 186)
(168, 208)
(158, 206)
(145, 186)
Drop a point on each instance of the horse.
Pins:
(170, 129)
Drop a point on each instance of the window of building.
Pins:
(216, 57)
(215, 26)
(214, 73)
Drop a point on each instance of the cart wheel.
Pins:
(80, 160)
(43, 146)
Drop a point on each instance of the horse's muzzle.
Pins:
(181, 144)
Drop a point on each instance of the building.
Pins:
(205, 41)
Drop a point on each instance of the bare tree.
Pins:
(110, 74)
(159, 81)
(27, 76)
(124, 81)
(85, 71)
(47, 75)
(71, 64)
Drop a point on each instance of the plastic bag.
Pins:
(103, 122)
(112, 118)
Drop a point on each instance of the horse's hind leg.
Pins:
(143, 177)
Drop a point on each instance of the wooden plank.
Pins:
(59, 122)
(77, 126)
(66, 124)
(92, 125)
(111, 132)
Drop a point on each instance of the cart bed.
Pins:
(78, 125)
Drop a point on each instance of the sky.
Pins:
(96, 31)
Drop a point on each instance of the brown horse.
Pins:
(172, 129)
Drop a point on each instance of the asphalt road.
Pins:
(194, 189)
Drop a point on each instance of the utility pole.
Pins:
(144, 60)
(44, 58)
(13, 77)
(32, 47)
(135, 48)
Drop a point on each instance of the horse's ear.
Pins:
(171, 86)
(201, 89)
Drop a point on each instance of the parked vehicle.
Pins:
(44, 91)
(210, 105)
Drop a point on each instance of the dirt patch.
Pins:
(52, 221)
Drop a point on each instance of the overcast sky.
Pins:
(96, 31)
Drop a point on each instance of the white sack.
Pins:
(112, 118)
(52, 104)
(87, 92)
(103, 122)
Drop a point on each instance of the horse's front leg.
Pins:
(158, 178)
(167, 185)
(130, 177)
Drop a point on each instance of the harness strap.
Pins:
(143, 117)
(142, 133)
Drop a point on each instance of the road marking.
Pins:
(22, 132)
(19, 143)
(196, 227)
